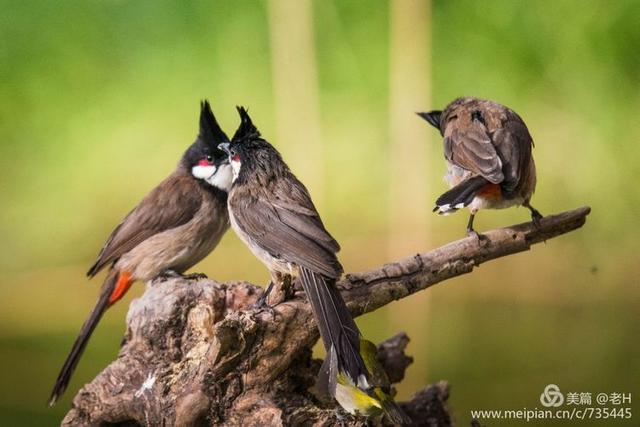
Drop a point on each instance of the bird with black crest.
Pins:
(174, 227)
(273, 214)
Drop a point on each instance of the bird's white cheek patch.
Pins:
(203, 172)
(223, 178)
(235, 165)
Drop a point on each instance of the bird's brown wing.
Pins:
(513, 144)
(284, 222)
(296, 209)
(469, 146)
(171, 204)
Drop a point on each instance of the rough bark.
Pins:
(196, 353)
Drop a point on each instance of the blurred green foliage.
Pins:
(98, 100)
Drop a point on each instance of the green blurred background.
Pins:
(98, 100)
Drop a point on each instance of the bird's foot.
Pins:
(341, 416)
(170, 274)
(536, 216)
(262, 304)
(260, 307)
(195, 276)
(366, 420)
(480, 238)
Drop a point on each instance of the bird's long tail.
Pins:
(113, 288)
(459, 196)
(337, 328)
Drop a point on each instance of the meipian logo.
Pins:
(551, 396)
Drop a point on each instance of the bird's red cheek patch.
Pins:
(204, 162)
(235, 158)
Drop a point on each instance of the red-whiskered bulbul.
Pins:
(489, 161)
(175, 226)
(272, 213)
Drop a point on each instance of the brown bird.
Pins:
(175, 226)
(489, 161)
(272, 213)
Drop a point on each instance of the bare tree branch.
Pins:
(195, 353)
(371, 290)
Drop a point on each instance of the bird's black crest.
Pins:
(247, 129)
(209, 136)
(433, 117)
(210, 131)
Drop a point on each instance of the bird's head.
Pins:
(203, 158)
(249, 153)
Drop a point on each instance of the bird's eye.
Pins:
(209, 158)
(233, 154)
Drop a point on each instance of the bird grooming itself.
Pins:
(175, 226)
(489, 161)
(272, 213)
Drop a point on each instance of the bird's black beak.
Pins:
(224, 147)
(433, 117)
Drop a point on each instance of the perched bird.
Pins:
(272, 213)
(373, 402)
(175, 226)
(489, 162)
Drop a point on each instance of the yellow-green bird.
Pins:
(366, 398)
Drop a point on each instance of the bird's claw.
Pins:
(341, 417)
(260, 302)
(262, 305)
(477, 236)
(195, 276)
(170, 274)
(536, 218)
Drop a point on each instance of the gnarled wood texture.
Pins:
(196, 353)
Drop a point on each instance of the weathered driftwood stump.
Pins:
(195, 353)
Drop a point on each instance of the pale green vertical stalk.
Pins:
(295, 84)
(410, 181)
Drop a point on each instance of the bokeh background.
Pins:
(99, 99)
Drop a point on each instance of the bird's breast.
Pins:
(179, 248)
(271, 261)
